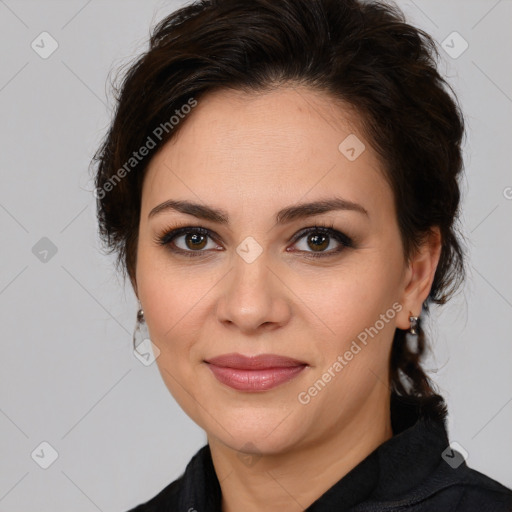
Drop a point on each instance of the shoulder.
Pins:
(471, 490)
(451, 486)
(463, 489)
(164, 500)
(170, 497)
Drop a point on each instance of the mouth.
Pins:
(257, 373)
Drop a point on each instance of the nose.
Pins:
(253, 297)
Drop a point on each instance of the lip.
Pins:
(256, 373)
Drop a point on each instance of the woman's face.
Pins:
(262, 280)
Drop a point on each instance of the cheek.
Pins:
(164, 310)
(173, 303)
(346, 300)
(358, 315)
(178, 301)
(355, 310)
(171, 292)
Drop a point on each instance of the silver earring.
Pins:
(141, 330)
(414, 324)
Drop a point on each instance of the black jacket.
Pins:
(414, 471)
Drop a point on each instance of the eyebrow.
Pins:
(286, 215)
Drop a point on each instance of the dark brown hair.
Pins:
(363, 53)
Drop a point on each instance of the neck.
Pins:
(297, 478)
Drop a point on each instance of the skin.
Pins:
(252, 155)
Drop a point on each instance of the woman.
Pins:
(280, 183)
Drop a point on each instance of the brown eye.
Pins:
(321, 241)
(195, 241)
(318, 242)
(189, 241)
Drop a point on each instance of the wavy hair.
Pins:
(361, 52)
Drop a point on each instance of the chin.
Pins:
(256, 434)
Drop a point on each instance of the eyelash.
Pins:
(170, 233)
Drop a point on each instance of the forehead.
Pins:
(278, 145)
(235, 120)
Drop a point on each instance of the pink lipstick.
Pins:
(257, 373)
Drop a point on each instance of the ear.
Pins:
(419, 277)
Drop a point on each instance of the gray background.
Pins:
(68, 376)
